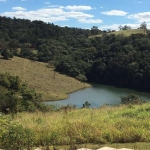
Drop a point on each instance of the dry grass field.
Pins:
(52, 85)
(129, 32)
(124, 32)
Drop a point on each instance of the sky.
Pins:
(105, 14)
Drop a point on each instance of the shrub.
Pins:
(131, 99)
(18, 97)
(14, 136)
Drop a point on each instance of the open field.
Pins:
(124, 32)
(52, 85)
(105, 125)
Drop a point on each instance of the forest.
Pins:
(110, 59)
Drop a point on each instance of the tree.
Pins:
(6, 53)
(8, 103)
(86, 105)
(94, 30)
(143, 26)
(126, 27)
(131, 99)
(16, 97)
(120, 27)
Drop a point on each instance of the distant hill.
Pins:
(52, 85)
(112, 59)
(125, 32)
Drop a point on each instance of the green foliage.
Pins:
(10, 82)
(86, 105)
(7, 54)
(132, 99)
(8, 103)
(81, 77)
(18, 97)
(14, 136)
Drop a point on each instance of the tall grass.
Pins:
(120, 124)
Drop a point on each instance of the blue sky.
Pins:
(106, 14)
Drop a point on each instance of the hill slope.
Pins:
(125, 32)
(52, 85)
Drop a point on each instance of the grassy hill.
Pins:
(52, 85)
(125, 32)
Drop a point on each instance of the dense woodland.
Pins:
(110, 59)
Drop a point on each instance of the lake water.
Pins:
(98, 95)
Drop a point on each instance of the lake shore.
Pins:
(98, 95)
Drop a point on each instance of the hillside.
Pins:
(52, 85)
(116, 60)
(124, 32)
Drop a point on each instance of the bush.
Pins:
(18, 97)
(131, 99)
(7, 54)
(14, 136)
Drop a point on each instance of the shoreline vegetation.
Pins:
(52, 85)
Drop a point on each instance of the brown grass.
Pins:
(125, 32)
(52, 85)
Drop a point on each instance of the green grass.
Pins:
(124, 32)
(52, 85)
(105, 125)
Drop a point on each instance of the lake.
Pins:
(98, 95)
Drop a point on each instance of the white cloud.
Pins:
(140, 17)
(78, 8)
(77, 15)
(115, 13)
(90, 20)
(18, 8)
(115, 26)
(48, 14)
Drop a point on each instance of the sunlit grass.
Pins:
(120, 124)
(124, 32)
(37, 75)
